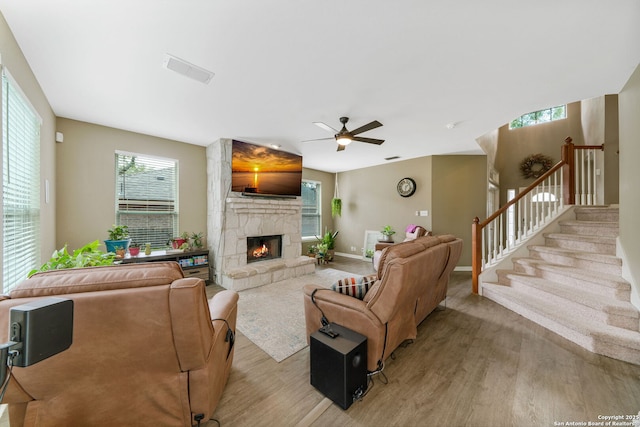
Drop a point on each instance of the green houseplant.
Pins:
(87, 256)
(118, 238)
(387, 231)
(329, 240)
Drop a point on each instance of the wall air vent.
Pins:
(392, 158)
(187, 69)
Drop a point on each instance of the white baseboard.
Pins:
(354, 256)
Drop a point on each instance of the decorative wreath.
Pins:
(535, 165)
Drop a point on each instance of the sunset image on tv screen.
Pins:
(262, 170)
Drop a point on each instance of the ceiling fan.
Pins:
(344, 137)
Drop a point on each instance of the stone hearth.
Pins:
(231, 218)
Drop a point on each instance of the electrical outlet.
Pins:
(353, 248)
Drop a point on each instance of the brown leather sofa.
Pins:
(145, 352)
(412, 280)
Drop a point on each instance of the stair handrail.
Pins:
(568, 182)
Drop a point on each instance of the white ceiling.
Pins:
(414, 65)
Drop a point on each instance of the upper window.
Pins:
(541, 116)
(20, 185)
(147, 198)
(311, 209)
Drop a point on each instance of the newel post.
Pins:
(476, 253)
(568, 172)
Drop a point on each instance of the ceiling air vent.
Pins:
(185, 68)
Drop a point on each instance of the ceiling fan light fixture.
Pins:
(343, 140)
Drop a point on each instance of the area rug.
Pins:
(272, 316)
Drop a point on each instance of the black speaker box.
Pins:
(339, 365)
(43, 327)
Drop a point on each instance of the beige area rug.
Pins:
(272, 316)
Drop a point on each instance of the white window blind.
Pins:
(20, 185)
(311, 212)
(147, 197)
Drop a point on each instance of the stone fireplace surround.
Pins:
(231, 218)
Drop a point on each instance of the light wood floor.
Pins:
(474, 363)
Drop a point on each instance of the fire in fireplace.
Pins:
(261, 248)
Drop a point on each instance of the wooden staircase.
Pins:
(572, 285)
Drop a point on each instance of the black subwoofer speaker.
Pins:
(339, 365)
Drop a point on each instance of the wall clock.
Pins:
(406, 187)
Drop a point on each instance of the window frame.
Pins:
(537, 117)
(156, 204)
(19, 259)
(319, 211)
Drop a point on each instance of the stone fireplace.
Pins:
(233, 218)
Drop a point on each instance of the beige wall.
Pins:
(546, 138)
(370, 201)
(629, 241)
(14, 61)
(459, 194)
(86, 179)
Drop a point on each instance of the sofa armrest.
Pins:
(223, 305)
(346, 311)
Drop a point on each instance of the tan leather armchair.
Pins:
(146, 351)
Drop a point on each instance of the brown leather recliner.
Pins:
(146, 351)
(412, 281)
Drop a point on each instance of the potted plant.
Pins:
(323, 252)
(134, 249)
(312, 251)
(329, 240)
(387, 231)
(180, 241)
(196, 238)
(118, 238)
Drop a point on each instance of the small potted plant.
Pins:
(118, 238)
(323, 252)
(134, 249)
(387, 231)
(196, 238)
(179, 242)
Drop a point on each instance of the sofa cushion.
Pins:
(354, 286)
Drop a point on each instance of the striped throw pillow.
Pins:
(354, 286)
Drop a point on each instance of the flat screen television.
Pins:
(261, 171)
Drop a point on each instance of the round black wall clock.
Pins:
(406, 187)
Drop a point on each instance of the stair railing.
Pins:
(572, 181)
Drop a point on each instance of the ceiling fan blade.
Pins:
(326, 127)
(374, 124)
(319, 139)
(341, 147)
(369, 140)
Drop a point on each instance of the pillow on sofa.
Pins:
(354, 286)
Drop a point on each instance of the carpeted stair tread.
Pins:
(569, 293)
(581, 243)
(597, 277)
(576, 327)
(587, 256)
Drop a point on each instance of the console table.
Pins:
(193, 263)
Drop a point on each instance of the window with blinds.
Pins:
(147, 197)
(311, 212)
(20, 185)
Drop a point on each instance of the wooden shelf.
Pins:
(193, 263)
